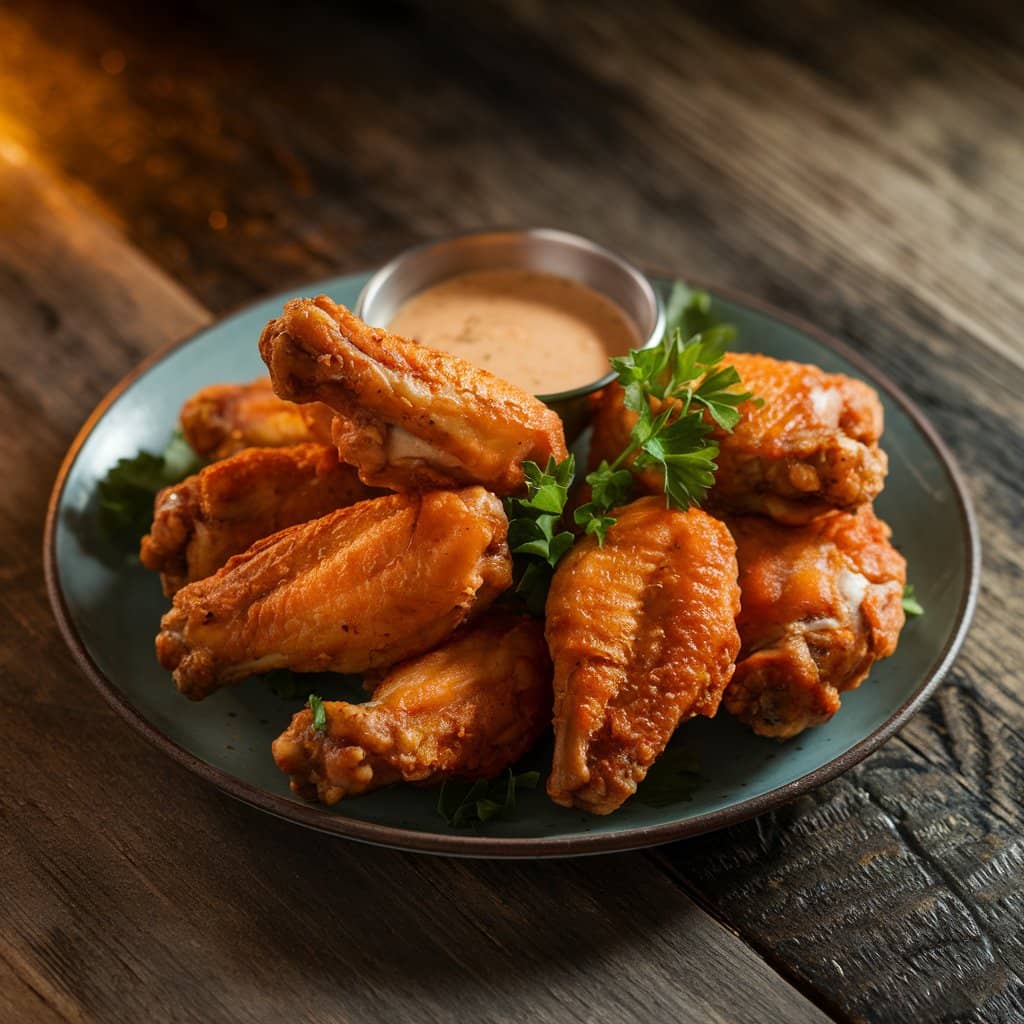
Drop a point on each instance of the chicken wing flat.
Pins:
(201, 522)
(359, 588)
(222, 419)
(810, 448)
(467, 710)
(821, 603)
(407, 416)
(643, 636)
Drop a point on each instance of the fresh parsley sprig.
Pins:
(462, 804)
(127, 492)
(673, 388)
(689, 310)
(534, 528)
(911, 605)
(316, 705)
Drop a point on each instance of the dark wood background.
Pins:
(860, 164)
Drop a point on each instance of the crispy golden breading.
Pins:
(820, 604)
(222, 419)
(360, 588)
(643, 636)
(201, 522)
(408, 416)
(319, 420)
(468, 709)
(810, 448)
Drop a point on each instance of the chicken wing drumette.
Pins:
(407, 416)
(222, 419)
(642, 633)
(467, 710)
(218, 512)
(811, 447)
(820, 604)
(359, 588)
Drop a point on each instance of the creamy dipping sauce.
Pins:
(540, 331)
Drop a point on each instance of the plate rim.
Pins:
(514, 847)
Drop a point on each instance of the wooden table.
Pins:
(859, 164)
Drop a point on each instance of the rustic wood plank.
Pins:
(20, 998)
(857, 164)
(130, 889)
(330, 162)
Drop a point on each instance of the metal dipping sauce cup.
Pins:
(542, 249)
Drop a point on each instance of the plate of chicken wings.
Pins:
(337, 580)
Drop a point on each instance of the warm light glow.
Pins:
(12, 152)
(12, 149)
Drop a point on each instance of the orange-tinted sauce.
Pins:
(540, 331)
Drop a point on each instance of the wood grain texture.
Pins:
(857, 164)
(130, 890)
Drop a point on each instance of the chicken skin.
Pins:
(820, 604)
(201, 522)
(810, 448)
(360, 588)
(467, 710)
(643, 636)
(407, 416)
(222, 419)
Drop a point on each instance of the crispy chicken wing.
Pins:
(201, 522)
(643, 636)
(222, 419)
(467, 710)
(821, 603)
(406, 415)
(360, 588)
(810, 448)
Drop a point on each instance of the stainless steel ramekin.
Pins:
(543, 249)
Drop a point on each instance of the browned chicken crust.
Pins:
(643, 636)
(359, 588)
(820, 604)
(201, 522)
(319, 420)
(810, 448)
(467, 710)
(222, 419)
(406, 415)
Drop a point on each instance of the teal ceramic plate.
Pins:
(109, 609)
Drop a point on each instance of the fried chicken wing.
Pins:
(406, 415)
(810, 448)
(359, 588)
(222, 419)
(643, 635)
(201, 522)
(467, 710)
(820, 604)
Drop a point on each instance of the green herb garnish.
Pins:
(688, 310)
(316, 705)
(534, 532)
(682, 378)
(609, 488)
(674, 777)
(911, 605)
(462, 804)
(672, 388)
(127, 492)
